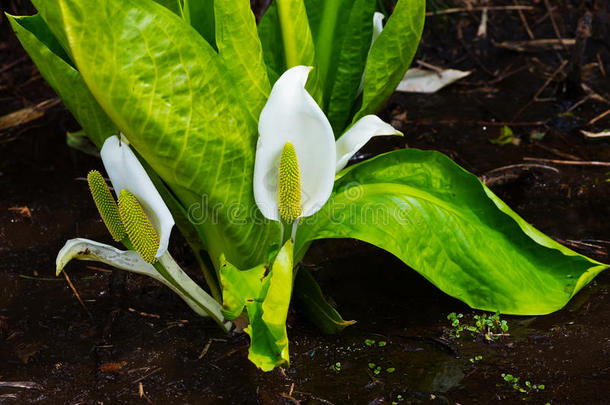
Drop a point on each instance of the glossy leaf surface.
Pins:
(444, 223)
(266, 298)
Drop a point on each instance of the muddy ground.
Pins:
(148, 347)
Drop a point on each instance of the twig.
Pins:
(147, 375)
(554, 23)
(28, 385)
(495, 176)
(467, 10)
(569, 162)
(481, 123)
(599, 117)
(76, 294)
(541, 89)
(482, 30)
(205, 349)
(13, 63)
(557, 152)
(520, 166)
(525, 24)
(600, 64)
(315, 398)
(595, 135)
(145, 314)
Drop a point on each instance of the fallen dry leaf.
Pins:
(109, 367)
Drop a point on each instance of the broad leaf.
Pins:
(351, 56)
(200, 14)
(270, 36)
(287, 41)
(165, 88)
(266, 298)
(54, 65)
(241, 52)
(444, 223)
(391, 55)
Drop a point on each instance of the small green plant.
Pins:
(524, 389)
(335, 367)
(398, 399)
(491, 327)
(375, 368)
(371, 343)
(475, 359)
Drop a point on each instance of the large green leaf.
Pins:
(200, 14)
(266, 298)
(444, 223)
(287, 41)
(391, 54)
(165, 87)
(54, 65)
(352, 49)
(242, 54)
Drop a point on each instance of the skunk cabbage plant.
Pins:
(228, 131)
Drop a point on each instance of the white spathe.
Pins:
(127, 173)
(358, 135)
(292, 115)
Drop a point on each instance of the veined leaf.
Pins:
(200, 14)
(391, 55)
(444, 223)
(287, 42)
(351, 51)
(54, 65)
(270, 36)
(165, 88)
(242, 54)
(266, 298)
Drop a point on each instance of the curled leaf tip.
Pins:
(140, 230)
(289, 185)
(106, 204)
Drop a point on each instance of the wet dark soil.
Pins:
(148, 347)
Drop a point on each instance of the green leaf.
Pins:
(270, 33)
(166, 89)
(308, 294)
(54, 65)
(242, 54)
(200, 14)
(351, 53)
(444, 223)
(266, 299)
(296, 35)
(391, 55)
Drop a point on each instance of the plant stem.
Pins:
(178, 277)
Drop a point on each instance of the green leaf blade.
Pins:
(242, 54)
(391, 54)
(168, 93)
(444, 223)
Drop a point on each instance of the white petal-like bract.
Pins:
(292, 115)
(358, 135)
(126, 173)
